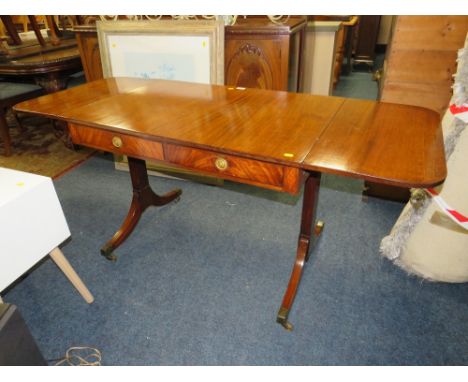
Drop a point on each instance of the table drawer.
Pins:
(117, 143)
(259, 173)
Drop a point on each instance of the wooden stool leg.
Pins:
(309, 207)
(57, 255)
(4, 133)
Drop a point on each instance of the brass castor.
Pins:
(282, 319)
(319, 227)
(107, 253)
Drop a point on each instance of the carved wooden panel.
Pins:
(259, 54)
(248, 66)
(256, 63)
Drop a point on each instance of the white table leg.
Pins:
(57, 255)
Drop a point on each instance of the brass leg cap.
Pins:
(107, 253)
(282, 319)
(319, 227)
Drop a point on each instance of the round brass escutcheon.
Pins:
(117, 141)
(221, 164)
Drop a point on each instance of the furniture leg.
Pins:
(17, 120)
(54, 31)
(11, 29)
(61, 132)
(143, 197)
(52, 82)
(59, 259)
(4, 133)
(309, 206)
(37, 30)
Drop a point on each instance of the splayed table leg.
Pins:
(309, 206)
(143, 197)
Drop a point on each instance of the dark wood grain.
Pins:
(11, 29)
(368, 31)
(49, 69)
(260, 124)
(392, 144)
(255, 172)
(37, 31)
(43, 62)
(104, 140)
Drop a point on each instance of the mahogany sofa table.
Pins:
(271, 139)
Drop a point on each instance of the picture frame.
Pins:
(183, 50)
(180, 50)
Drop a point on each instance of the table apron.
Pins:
(259, 173)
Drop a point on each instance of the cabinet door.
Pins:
(257, 62)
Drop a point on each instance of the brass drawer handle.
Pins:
(221, 164)
(117, 142)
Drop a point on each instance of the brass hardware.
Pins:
(106, 251)
(282, 319)
(221, 164)
(377, 75)
(319, 227)
(117, 142)
(418, 197)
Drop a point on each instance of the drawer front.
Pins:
(268, 175)
(116, 143)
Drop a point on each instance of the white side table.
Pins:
(32, 225)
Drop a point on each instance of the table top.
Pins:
(37, 61)
(394, 144)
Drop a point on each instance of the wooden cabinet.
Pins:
(258, 53)
(261, 54)
(368, 31)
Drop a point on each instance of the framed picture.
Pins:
(180, 50)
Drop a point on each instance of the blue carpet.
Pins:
(200, 281)
(357, 85)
